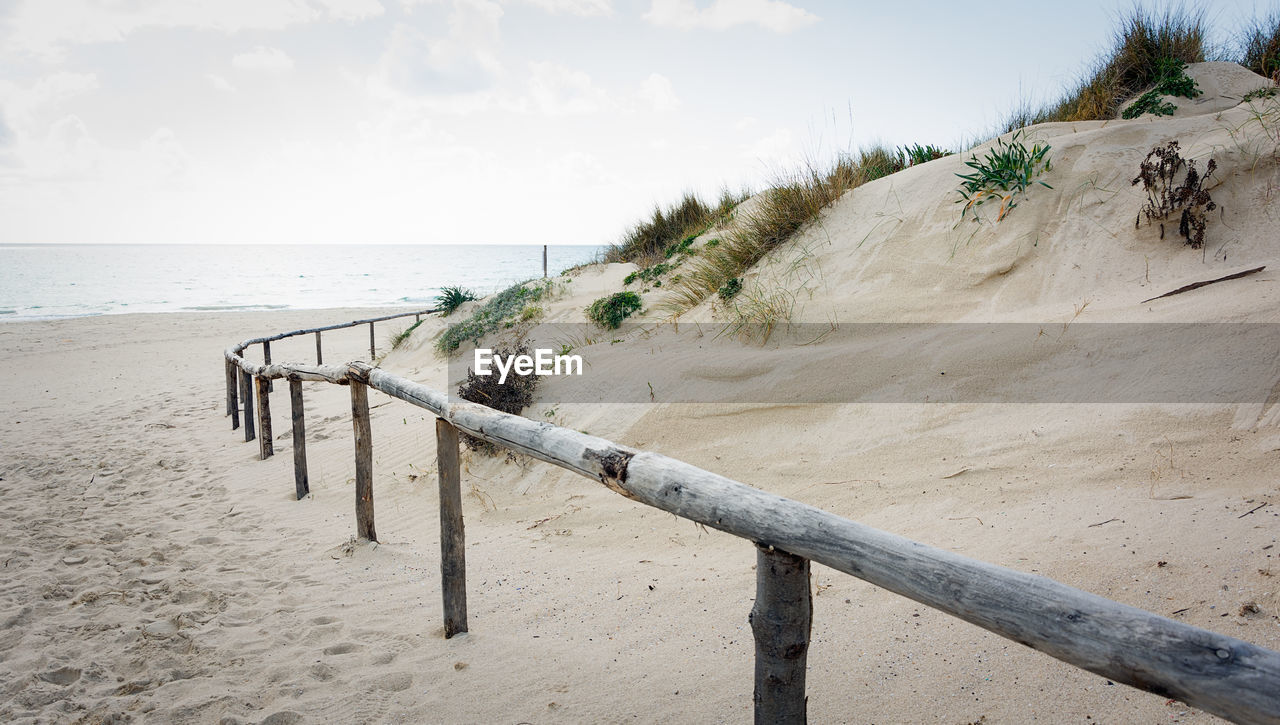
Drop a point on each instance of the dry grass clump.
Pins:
(1141, 42)
(779, 212)
(1260, 47)
(646, 242)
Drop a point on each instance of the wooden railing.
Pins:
(1216, 673)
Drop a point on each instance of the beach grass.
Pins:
(1143, 41)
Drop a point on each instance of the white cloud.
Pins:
(559, 91)
(415, 66)
(220, 83)
(574, 7)
(261, 58)
(772, 15)
(350, 10)
(656, 90)
(43, 29)
(162, 158)
(777, 147)
(26, 106)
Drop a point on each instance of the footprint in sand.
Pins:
(62, 676)
(343, 648)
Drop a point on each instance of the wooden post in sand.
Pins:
(300, 483)
(371, 346)
(246, 400)
(364, 461)
(233, 402)
(266, 446)
(453, 561)
(781, 620)
(266, 360)
(319, 352)
(544, 261)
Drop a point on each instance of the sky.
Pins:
(483, 121)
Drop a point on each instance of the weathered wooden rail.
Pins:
(1216, 673)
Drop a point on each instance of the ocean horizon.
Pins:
(56, 281)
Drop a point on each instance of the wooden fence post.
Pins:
(233, 400)
(453, 561)
(371, 345)
(781, 620)
(246, 400)
(364, 461)
(319, 353)
(300, 483)
(266, 446)
(266, 360)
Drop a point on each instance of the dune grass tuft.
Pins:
(649, 240)
(1260, 47)
(502, 310)
(1143, 40)
(780, 211)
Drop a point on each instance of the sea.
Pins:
(53, 281)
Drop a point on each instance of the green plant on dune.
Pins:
(916, 154)
(1004, 174)
(1171, 81)
(609, 312)
(500, 311)
(451, 298)
(1259, 94)
(730, 289)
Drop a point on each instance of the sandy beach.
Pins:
(154, 570)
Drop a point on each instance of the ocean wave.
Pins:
(227, 308)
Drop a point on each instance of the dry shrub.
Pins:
(511, 396)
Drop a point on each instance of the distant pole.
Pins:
(544, 261)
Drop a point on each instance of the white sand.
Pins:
(153, 567)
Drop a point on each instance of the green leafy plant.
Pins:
(1171, 80)
(451, 298)
(1259, 94)
(651, 274)
(609, 312)
(917, 154)
(510, 396)
(730, 289)
(1006, 173)
(1158, 175)
(681, 247)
